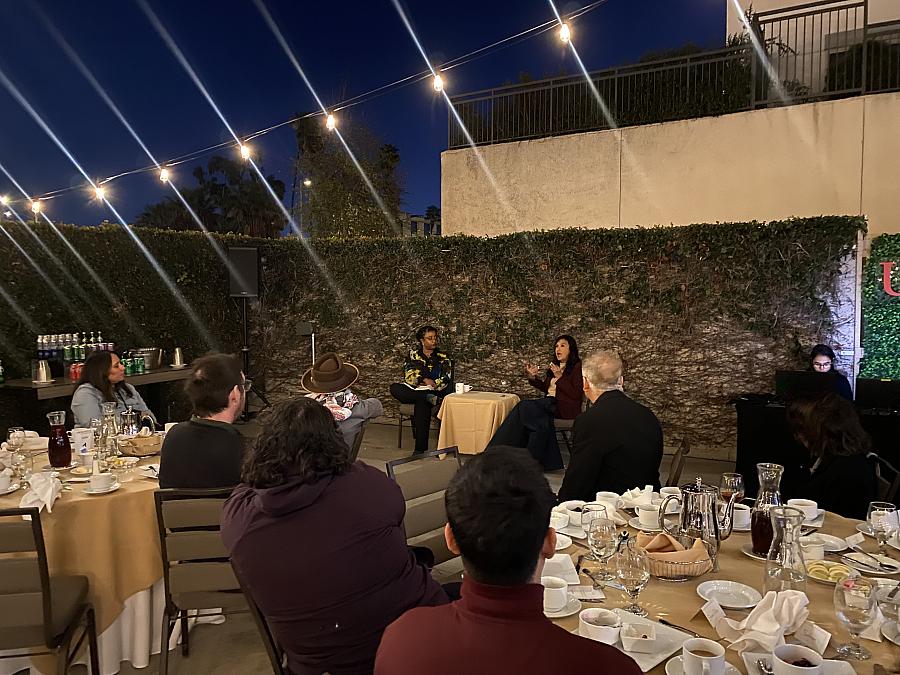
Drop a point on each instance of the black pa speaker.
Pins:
(243, 272)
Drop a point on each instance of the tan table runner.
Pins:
(111, 539)
(470, 420)
(680, 604)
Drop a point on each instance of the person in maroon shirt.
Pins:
(530, 423)
(498, 512)
(319, 543)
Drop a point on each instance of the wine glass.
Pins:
(855, 606)
(633, 572)
(731, 484)
(23, 466)
(588, 513)
(15, 439)
(602, 540)
(882, 519)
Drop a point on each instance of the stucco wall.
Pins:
(836, 157)
(879, 10)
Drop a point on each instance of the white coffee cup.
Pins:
(808, 506)
(813, 548)
(741, 517)
(460, 388)
(598, 624)
(574, 516)
(169, 426)
(5, 482)
(672, 506)
(102, 481)
(467, 388)
(609, 499)
(693, 663)
(558, 520)
(648, 514)
(783, 657)
(556, 593)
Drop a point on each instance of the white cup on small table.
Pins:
(556, 593)
(102, 481)
(809, 508)
(700, 656)
(786, 657)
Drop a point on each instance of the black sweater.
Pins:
(201, 453)
(842, 484)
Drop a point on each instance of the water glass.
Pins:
(15, 438)
(731, 484)
(588, 513)
(856, 608)
(23, 467)
(882, 519)
(602, 541)
(633, 572)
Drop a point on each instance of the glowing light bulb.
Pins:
(330, 122)
(307, 182)
(4, 200)
(8, 214)
(245, 152)
(100, 192)
(164, 175)
(438, 83)
(564, 33)
(36, 206)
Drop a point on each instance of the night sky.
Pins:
(346, 48)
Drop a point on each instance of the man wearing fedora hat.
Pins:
(328, 382)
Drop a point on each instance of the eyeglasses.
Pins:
(821, 364)
(246, 385)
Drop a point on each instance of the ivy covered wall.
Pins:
(881, 310)
(699, 313)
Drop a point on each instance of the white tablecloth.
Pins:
(134, 635)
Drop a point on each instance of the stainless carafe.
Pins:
(700, 517)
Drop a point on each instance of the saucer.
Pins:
(562, 541)
(891, 631)
(674, 666)
(573, 531)
(747, 550)
(865, 529)
(112, 488)
(81, 471)
(71, 465)
(729, 594)
(735, 528)
(636, 524)
(572, 607)
(832, 544)
(12, 488)
(829, 666)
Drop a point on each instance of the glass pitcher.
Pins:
(59, 450)
(769, 495)
(110, 417)
(785, 567)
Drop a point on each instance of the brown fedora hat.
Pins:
(329, 374)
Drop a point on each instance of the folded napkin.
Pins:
(777, 614)
(44, 491)
(5, 456)
(663, 549)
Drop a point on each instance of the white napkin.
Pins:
(5, 456)
(44, 491)
(638, 495)
(873, 632)
(776, 615)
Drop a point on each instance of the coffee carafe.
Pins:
(700, 517)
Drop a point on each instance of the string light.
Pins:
(307, 182)
(100, 193)
(438, 83)
(4, 200)
(164, 175)
(245, 152)
(36, 206)
(565, 33)
(8, 214)
(330, 122)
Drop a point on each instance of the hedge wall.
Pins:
(881, 312)
(699, 312)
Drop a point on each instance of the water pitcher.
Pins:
(59, 450)
(769, 495)
(785, 567)
(700, 517)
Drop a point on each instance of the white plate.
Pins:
(562, 541)
(865, 529)
(573, 531)
(891, 631)
(829, 667)
(747, 550)
(729, 594)
(572, 607)
(636, 524)
(816, 522)
(12, 488)
(115, 486)
(832, 544)
(863, 563)
(675, 667)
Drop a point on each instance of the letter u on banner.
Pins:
(886, 276)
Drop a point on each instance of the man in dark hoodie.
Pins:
(319, 544)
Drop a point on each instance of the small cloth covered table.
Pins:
(470, 420)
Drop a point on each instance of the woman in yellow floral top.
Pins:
(428, 377)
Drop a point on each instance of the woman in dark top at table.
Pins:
(841, 478)
(821, 360)
(530, 423)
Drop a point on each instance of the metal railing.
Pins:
(815, 51)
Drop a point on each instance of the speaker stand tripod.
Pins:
(246, 415)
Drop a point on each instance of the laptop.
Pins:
(878, 394)
(794, 384)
